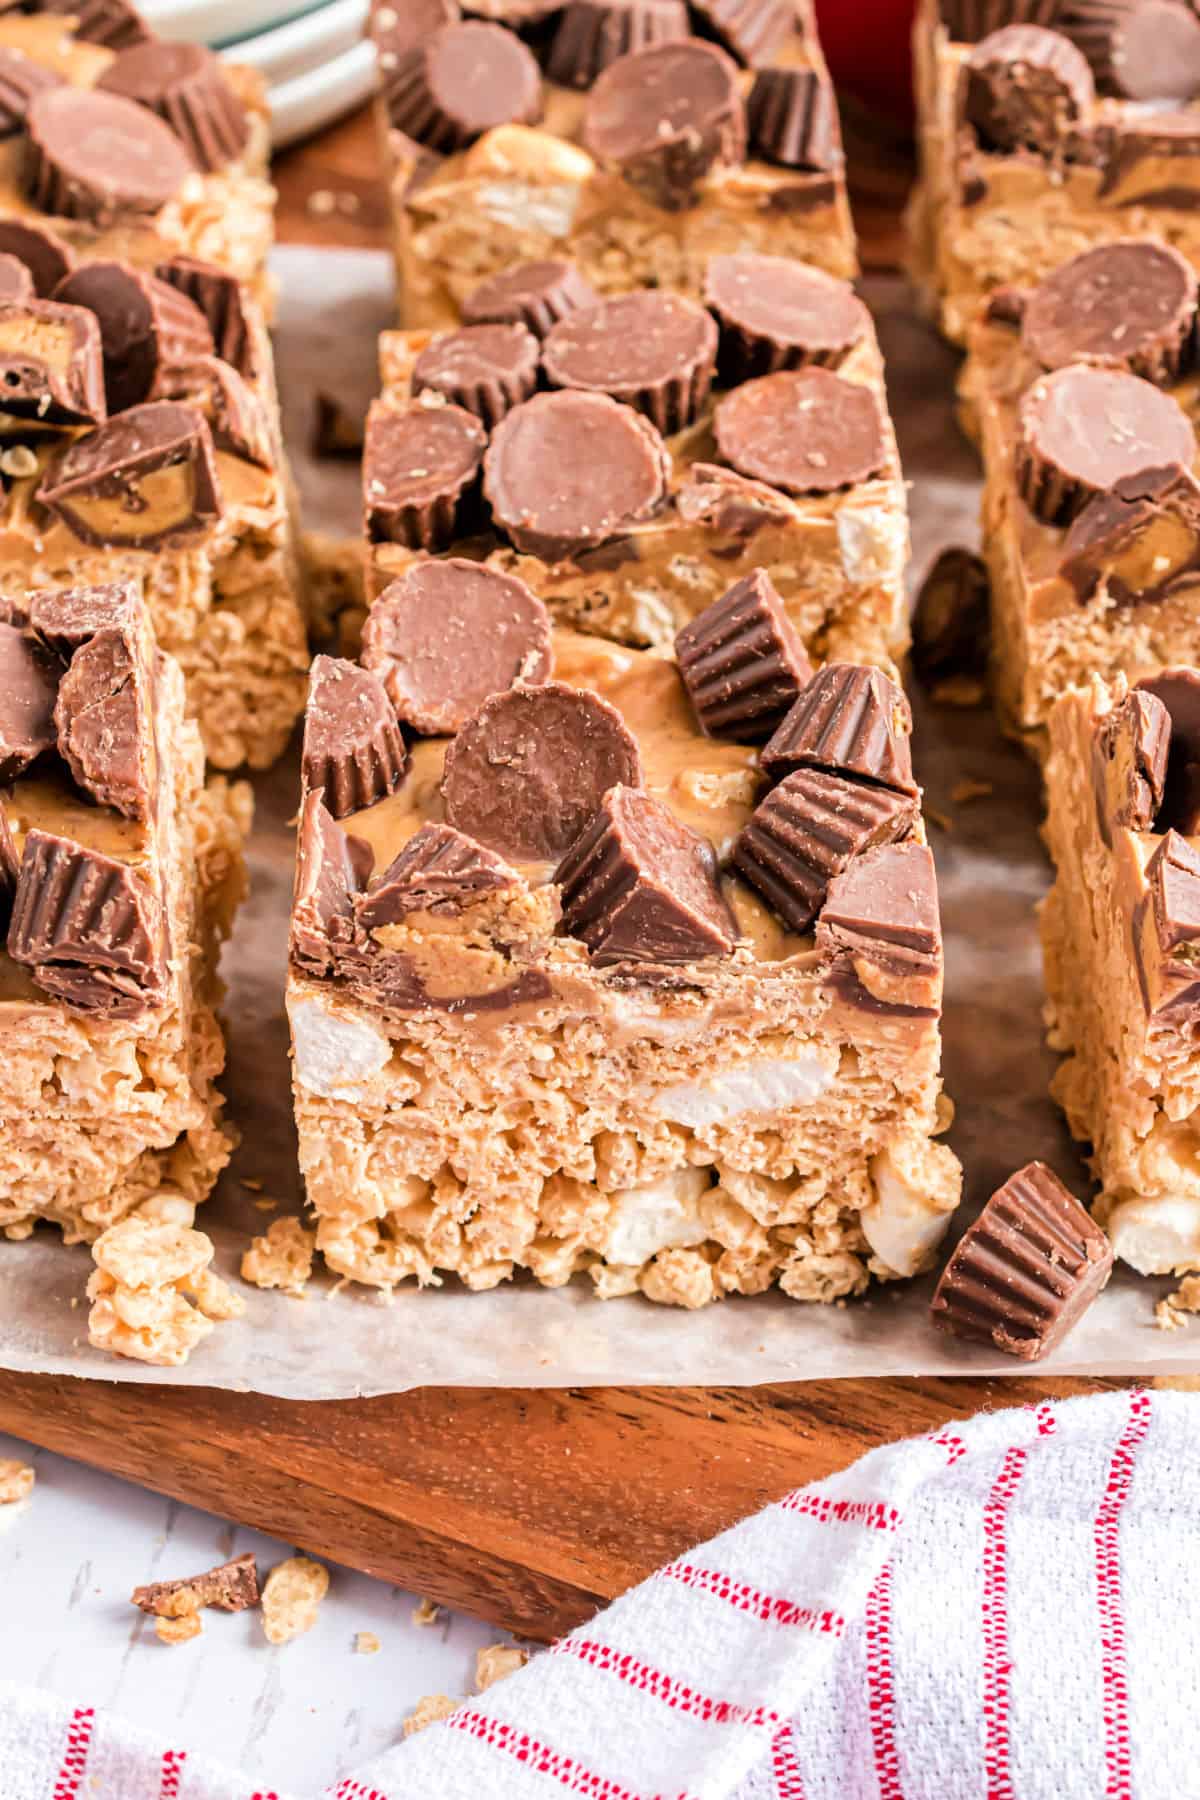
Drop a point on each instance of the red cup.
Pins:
(868, 45)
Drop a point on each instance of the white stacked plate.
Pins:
(312, 56)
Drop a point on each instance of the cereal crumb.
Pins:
(154, 1297)
(265, 1205)
(366, 1643)
(16, 1481)
(283, 1258)
(291, 1595)
(171, 1630)
(962, 791)
(496, 1662)
(1166, 1318)
(321, 203)
(426, 1612)
(252, 1182)
(959, 690)
(428, 1710)
(1186, 1299)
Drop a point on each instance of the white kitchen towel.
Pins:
(999, 1611)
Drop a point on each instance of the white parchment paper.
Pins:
(991, 868)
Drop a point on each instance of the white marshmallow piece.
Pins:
(769, 1086)
(663, 1216)
(1157, 1237)
(337, 1053)
(901, 1225)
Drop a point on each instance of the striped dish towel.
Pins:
(999, 1611)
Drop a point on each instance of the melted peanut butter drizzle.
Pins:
(709, 786)
(50, 803)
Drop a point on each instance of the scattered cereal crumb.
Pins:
(16, 1481)
(252, 1183)
(291, 1595)
(1186, 1299)
(181, 1630)
(366, 1643)
(496, 1662)
(1166, 1318)
(959, 690)
(153, 1294)
(321, 203)
(265, 1205)
(962, 791)
(428, 1710)
(426, 1612)
(281, 1259)
(231, 1586)
(942, 820)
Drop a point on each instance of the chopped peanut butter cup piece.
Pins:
(1138, 540)
(967, 21)
(531, 768)
(851, 720)
(232, 1587)
(951, 624)
(754, 30)
(1173, 881)
(1131, 304)
(880, 921)
(104, 724)
(236, 416)
(1082, 430)
(51, 362)
(593, 33)
(464, 79)
(534, 294)
(1138, 49)
(352, 744)
(113, 23)
(1022, 1276)
(569, 470)
(222, 300)
(1026, 88)
(65, 618)
(43, 252)
(420, 467)
(10, 863)
(145, 480)
(1129, 763)
(95, 156)
(446, 635)
(16, 281)
(439, 871)
(186, 86)
(1178, 690)
(28, 689)
(664, 117)
(742, 661)
(653, 351)
(89, 927)
(488, 369)
(793, 121)
(804, 431)
(20, 79)
(332, 867)
(775, 313)
(807, 830)
(640, 887)
(149, 331)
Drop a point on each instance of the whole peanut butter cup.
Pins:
(665, 117)
(1138, 49)
(20, 79)
(805, 431)
(149, 331)
(352, 749)
(653, 351)
(742, 661)
(488, 369)
(1082, 430)
(533, 294)
(1128, 305)
(95, 156)
(187, 87)
(1026, 88)
(464, 80)
(775, 313)
(591, 34)
(753, 30)
(420, 467)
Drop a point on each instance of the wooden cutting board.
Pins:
(527, 1508)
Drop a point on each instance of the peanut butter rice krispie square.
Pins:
(606, 133)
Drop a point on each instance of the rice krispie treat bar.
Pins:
(1121, 942)
(604, 132)
(139, 440)
(116, 144)
(1048, 127)
(613, 960)
(119, 875)
(677, 444)
(1084, 394)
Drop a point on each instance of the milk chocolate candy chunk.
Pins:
(967, 21)
(113, 23)
(97, 156)
(51, 363)
(149, 331)
(465, 79)
(439, 871)
(488, 369)
(1026, 88)
(233, 1587)
(28, 689)
(1023, 1275)
(1138, 540)
(64, 619)
(792, 118)
(742, 661)
(807, 830)
(567, 471)
(753, 30)
(1130, 305)
(352, 744)
(186, 86)
(534, 294)
(89, 927)
(1178, 690)
(591, 34)
(1173, 884)
(222, 300)
(639, 887)
(236, 416)
(105, 732)
(805, 431)
(20, 79)
(653, 351)
(776, 314)
(850, 720)
(16, 282)
(1082, 430)
(952, 618)
(1138, 49)
(665, 117)
(881, 917)
(420, 467)
(145, 480)
(447, 635)
(531, 768)
(1129, 763)
(331, 870)
(47, 257)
